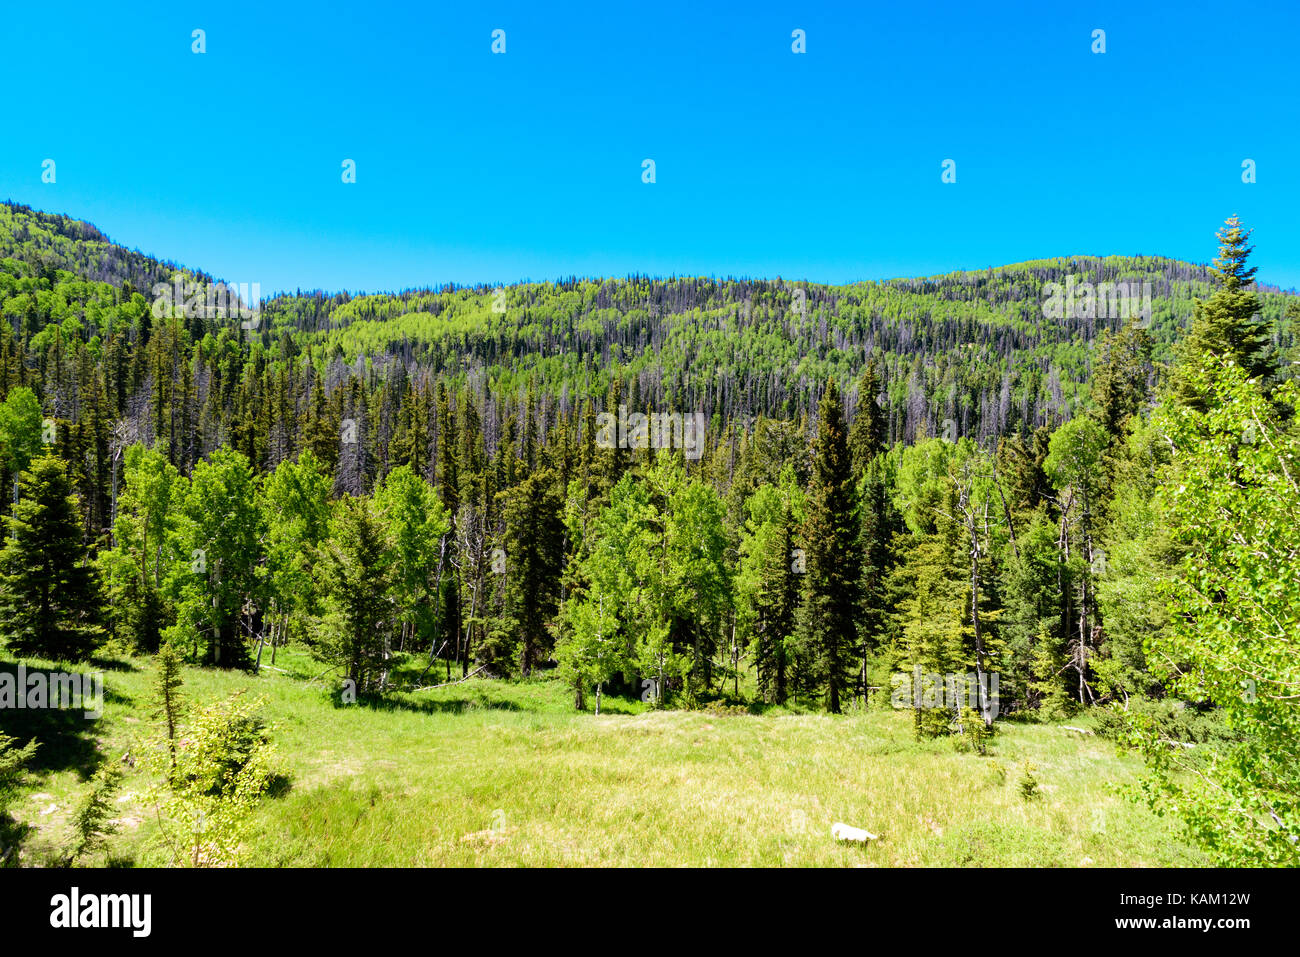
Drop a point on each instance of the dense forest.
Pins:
(918, 478)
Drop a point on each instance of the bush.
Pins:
(1170, 719)
(222, 770)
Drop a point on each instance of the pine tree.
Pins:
(534, 561)
(360, 573)
(93, 817)
(1229, 323)
(828, 626)
(49, 593)
(1120, 377)
(867, 437)
(166, 692)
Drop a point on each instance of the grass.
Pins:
(489, 773)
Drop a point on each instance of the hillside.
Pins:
(972, 348)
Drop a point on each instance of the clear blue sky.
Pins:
(474, 167)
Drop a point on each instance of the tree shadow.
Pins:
(113, 664)
(67, 737)
(375, 702)
(279, 786)
(12, 834)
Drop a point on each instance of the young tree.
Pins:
(1074, 466)
(590, 651)
(419, 524)
(14, 761)
(768, 582)
(93, 816)
(295, 507)
(166, 692)
(20, 433)
(143, 539)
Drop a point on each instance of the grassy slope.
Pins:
(488, 773)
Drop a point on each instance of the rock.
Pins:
(846, 832)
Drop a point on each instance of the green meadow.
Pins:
(492, 773)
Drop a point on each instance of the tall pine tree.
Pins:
(828, 626)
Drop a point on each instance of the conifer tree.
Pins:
(1120, 377)
(166, 692)
(534, 550)
(360, 573)
(867, 437)
(828, 625)
(49, 593)
(1228, 324)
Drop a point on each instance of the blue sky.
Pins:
(475, 167)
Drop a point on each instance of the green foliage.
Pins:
(14, 761)
(20, 432)
(219, 541)
(295, 503)
(418, 523)
(49, 594)
(223, 768)
(360, 575)
(1168, 720)
(91, 822)
(1027, 784)
(166, 693)
(424, 470)
(767, 581)
(827, 629)
(1233, 504)
(1230, 324)
(144, 536)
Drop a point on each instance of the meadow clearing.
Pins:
(493, 773)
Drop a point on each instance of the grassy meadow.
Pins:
(489, 773)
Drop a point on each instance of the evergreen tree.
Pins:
(534, 562)
(49, 592)
(166, 692)
(1229, 324)
(828, 625)
(360, 573)
(867, 437)
(1121, 377)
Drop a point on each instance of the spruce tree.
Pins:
(49, 594)
(166, 692)
(828, 626)
(867, 438)
(360, 574)
(1120, 377)
(1229, 323)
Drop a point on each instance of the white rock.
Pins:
(846, 832)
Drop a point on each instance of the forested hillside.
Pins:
(921, 477)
